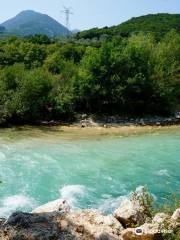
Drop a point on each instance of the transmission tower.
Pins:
(67, 12)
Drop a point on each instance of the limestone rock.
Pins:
(57, 205)
(91, 224)
(126, 213)
(131, 210)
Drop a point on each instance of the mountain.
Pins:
(30, 23)
(2, 29)
(159, 24)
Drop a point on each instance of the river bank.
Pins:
(90, 120)
(85, 120)
(88, 126)
(76, 131)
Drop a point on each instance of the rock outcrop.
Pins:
(82, 224)
(27, 226)
(91, 224)
(133, 210)
(55, 221)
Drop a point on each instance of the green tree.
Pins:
(55, 63)
(32, 55)
(27, 97)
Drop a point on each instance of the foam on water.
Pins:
(109, 204)
(163, 172)
(72, 193)
(13, 203)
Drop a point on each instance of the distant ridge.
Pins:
(161, 22)
(30, 23)
(158, 24)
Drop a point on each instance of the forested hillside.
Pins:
(159, 24)
(45, 79)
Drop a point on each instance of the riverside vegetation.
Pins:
(43, 79)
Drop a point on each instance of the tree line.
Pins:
(45, 79)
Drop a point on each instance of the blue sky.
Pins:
(90, 13)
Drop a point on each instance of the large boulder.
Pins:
(127, 213)
(27, 226)
(59, 205)
(133, 210)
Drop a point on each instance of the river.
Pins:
(38, 165)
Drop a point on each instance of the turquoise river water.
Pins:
(40, 165)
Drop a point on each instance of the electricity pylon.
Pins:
(67, 12)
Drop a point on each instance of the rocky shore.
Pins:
(57, 221)
(85, 120)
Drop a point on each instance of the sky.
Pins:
(90, 13)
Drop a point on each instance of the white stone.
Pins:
(129, 212)
(59, 205)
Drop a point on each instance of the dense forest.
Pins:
(45, 79)
(158, 24)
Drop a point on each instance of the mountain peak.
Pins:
(28, 12)
(29, 22)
